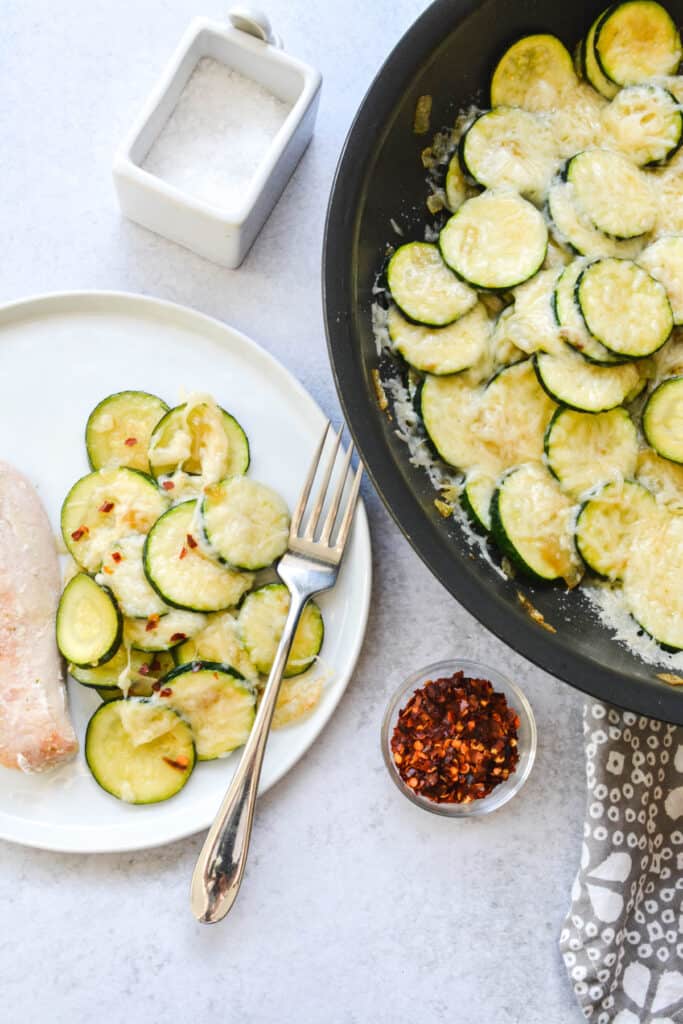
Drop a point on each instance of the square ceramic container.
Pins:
(222, 235)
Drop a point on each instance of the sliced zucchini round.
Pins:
(245, 523)
(635, 41)
(583, 450)
(122, 571)
(652, 579)
(663, 478)
(572, 227)
(201, 439)
(624, 308)
(513, 416)
(449, 407)
(89, 622)
(475, 498)
(532, 325)
(220, 642)
(531, 521)
(587, 387)
(608, 525)
(508, 147)
(105, 506)
(261, 622)
(535, 73)
(613, 192)
(495, 241)
(119, 428)
(138, 751)
(568, 316)
(441, 350)
(424, 288)
(180, 571)
(591, 68)
(663, 260)
(296, 700)
(663, 419)
(455, 186)
(134, 671)
(644, 122)
(162, 633)
(218, 705)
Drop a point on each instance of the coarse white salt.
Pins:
(218, 135)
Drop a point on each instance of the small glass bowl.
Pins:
(526, 736)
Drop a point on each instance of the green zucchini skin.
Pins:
(610, 72)
(93, 445)
(504, 543)
(670, 448)
(109, 641)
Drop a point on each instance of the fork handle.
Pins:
(218, 873)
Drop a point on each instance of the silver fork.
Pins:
(308, 567)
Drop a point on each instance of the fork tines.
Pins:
(324, 493)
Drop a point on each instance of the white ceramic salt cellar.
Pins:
(221, 233)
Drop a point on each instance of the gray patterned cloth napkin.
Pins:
(622, 941)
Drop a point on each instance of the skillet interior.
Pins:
(449, 53)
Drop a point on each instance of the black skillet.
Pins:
(449, 53)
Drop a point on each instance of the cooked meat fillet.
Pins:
(35, 730)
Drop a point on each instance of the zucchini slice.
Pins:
(89, 622)
(608, 525)
(216, 702)
(663, 478)
(573, 228)
(663, 419)
(532, 325)
(568, 316)
(261, 621)
(635, 41)
(584, 450)
(245, 523)
(644, 122)
(105, 506)
(624, 308)
(129, 670)
(424, 288)
(495, 241)
(296, 700)
(441, 350)
(503, 345)
(162, 633)
(531, 521)
(201, 439)
(587, 387)
(591, 68)
(119, 428)
(449, 407)
(220, 642)
(475, 498)
(513, 416)
(510, 148)
(122, 571)
(663, 260)
(652, 579)
(139, 752)
(182, 574)
(535, 73)
(455, 185)
(613, 192)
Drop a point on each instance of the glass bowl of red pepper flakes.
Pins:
(459, 739)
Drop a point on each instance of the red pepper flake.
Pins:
(168, 485)
(116, 556)
(81, 532)
(156, 686)
(152, 623)
(183, 552)
(180, 762)
(155, 664)
(144, 669)
(177, 637)
(130, 442)
(455, 740)
(107, 506)
(191, 542)
(166, 692)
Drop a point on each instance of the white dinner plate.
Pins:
(59, 355)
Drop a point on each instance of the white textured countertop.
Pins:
(357, 907)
